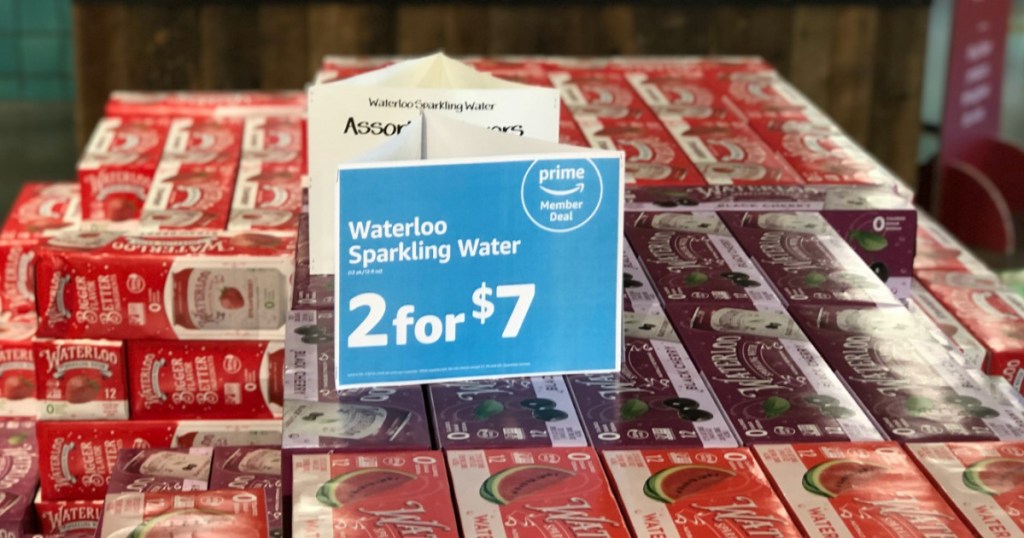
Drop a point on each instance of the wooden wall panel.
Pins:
(673, 30)
(99, 64)
(458, 30)
(363, 28)
(851, 83)
(810, 51)
(162, 46)
(284, 45)
(229, 49)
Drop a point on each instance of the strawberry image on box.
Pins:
(199, 514)
(696, 493)
(205, 380)
(43, 209)
(184, 285)
(652, 156)
(81, 379)
(228, 104)
(372, 495)
(869, 490)
(161, 469)
(69, 519)
(252, 468)
(117, 166)
(17, 368)
(534, 493)
(982, 481)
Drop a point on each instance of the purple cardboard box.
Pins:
(805, 260)
(141, 470)
(768, 378)
(505, 413)
(877, 222)
(912, 385)
(658, 399)
(318, 415)
(309, 291)
(637, 293)
(692, 259)
(252, 467)
(19, 476)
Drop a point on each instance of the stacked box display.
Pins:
(143, 470)
(214, 513)
(81, 379)
(252, 468)
(271, 175)
(19, 476)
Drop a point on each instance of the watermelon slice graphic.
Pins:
(355, 485)
(833, 477)
(521, 481)
(671, 484)
(196, 523)
(994, 476)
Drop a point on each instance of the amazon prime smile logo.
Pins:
(561, 195)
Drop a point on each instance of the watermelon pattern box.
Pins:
(658, 399)
(869, 490)
(692, 259)
(911, 384)
(707, 493)
(69, 519)
(194, 513)
(930, 312)
(372, 495)
(534, 493)
(81, 379)
(316, 414)
(252, 468)
(511, 412)
(982, 481)
(637, 293)
(141, 470)
(19, 477)
(806, 260)
(770, 381)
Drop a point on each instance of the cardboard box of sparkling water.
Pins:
(652, 156)
(43, 209)
(683, 96)
(117, 166)
(142, 470)
(982, 481)
(510, 412)
(193, 513)
(275, 140)
(534, 493)
(268, 196)
(637, 293)
(185, 285)
(206, 104)
(770, 381)
(938, 250)
(692, 259)
(806, 260)
(378, 495)
(252, 468)
(189, 196)
(599, 94)
(77, 458)
(913, 386)
(929, 311)
(699, 492)
(17, 368)
(81, 379)
(310, 291)
(316, 414)
(730, 154)
(858, 489)
(71, 519)
(205, 379)
(658, 399)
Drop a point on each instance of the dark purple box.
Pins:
(768, 378)
(637, 293)
(141, 470)
(658, 399)
(252, 467)
(877, 222)
(911, 383)
(806, 261)
(316, 414)
(309, 291)
(19, 476)
(691, 258)
(507, 413)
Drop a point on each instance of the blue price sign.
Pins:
(464, 269)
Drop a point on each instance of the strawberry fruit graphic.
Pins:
(18, 387)
(81, 389)
(231, 298)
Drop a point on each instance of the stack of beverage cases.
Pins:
(806, 354)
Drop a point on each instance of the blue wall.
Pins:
(35, 50)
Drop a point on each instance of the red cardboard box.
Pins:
(222, 513)
(69, 519)
(206, 380)
(730, 154)
(277, 140)
(206, 104)
(81, 379)
(267, 196)
(17, 368)
(601, 94)
(652, 156)
(43, 209)
(186, 285)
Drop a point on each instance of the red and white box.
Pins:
(927, 309)
(652, 156)
(81, 379)
(204, 141)
(43, 209)
(684, 97)
(226, 104)
(858, 489)
(982, 481)
(757, 94)
(17, 279)
(172, 286)
(938, 250)
(600, 94)
(77, 458)
(223, 513)
(206, 380)
(189, 196)
(69, 519)
(730, 154)
(268, 196)
(278, 140)
(17, 368)
(117, 166)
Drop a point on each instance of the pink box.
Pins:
(81, 379)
